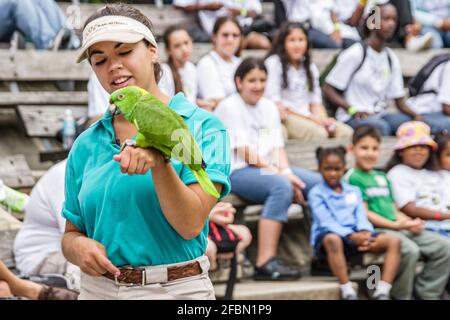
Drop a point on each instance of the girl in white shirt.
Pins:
(260, 171)
(179, 74)
(216, 69)
(293, 84)
(417, 185)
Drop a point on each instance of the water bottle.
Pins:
(68, 135)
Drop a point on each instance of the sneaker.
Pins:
(350, 297)
(275, 269)
(418, 43)
(382, 297)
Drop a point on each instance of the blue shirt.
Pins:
(122, 212)
(340, 213)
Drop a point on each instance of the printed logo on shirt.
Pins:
(377, 192)
(351, 198)
(381, 181)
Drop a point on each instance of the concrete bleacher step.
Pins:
(307, 288)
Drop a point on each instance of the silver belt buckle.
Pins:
(124, 284)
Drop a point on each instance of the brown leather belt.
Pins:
(130, 276)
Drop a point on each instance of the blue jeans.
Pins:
(387, 123)
(320, 40)
(441, 39)
(437, 121)
(38, 20)
(274, 191)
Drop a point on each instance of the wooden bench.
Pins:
(15, 173)
(41, 123)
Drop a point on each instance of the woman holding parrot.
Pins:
(136, 222)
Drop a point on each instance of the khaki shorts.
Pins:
(198, 287)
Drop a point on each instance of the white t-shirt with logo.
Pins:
(44, 226)
(422, 187)
(372, 84)
(255, 126)
(188, 74)
(426, 189)
(215, 76)
(439, 81)
(98, 98)
(297, 95)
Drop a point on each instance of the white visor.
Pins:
(114, 28)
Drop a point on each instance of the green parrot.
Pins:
(162, 128)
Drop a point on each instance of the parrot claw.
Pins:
(203, 165)
(128, 143)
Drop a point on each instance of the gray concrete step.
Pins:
(307, 288)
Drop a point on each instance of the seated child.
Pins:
(386, 217)
(224, 237)
(416, 181)
(341, 230)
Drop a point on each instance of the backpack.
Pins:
(224, 238)
(415, 86)
(331, 107)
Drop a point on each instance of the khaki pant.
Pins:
(306, 130)
(197, 287)
(430, 283)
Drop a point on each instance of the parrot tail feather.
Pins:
(206, 183)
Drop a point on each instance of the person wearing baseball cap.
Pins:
(133, 219)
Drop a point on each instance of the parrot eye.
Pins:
(120, 97)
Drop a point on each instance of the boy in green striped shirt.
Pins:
(386, 217)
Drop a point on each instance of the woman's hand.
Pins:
(138, 160)
(297, 185)
(92, 258)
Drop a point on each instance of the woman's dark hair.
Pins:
(221, 21)
(125, 10)
(397, 159)
(176, 75)
(322, 153)
(443, 141)
(247, 65)
(366, 31)
(279, 49)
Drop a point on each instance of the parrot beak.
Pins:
(113, 110)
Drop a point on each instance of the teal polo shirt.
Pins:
(122, 212)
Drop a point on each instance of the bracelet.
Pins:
(337, 27)
(438, 216)
(286, 171)
(363, 3)
(244, 12)
(352, 110)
